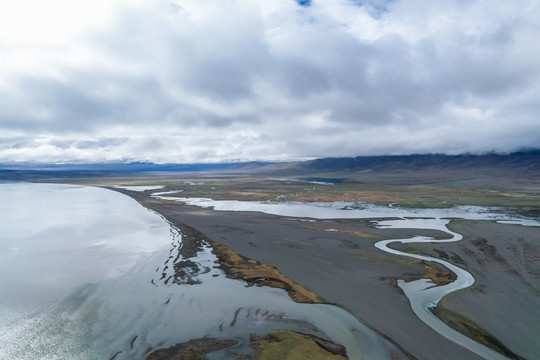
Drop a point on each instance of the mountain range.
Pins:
(521, 162)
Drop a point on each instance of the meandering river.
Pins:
(423, 294)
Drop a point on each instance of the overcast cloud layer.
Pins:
(221, 80)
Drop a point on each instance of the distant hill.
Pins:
(528, 161)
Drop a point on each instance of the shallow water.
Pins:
(349, 210)
(87, 273)
(139, 187)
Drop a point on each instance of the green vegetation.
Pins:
(287, 345)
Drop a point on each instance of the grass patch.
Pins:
(288, 345)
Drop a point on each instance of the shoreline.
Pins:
(224, 229)
(252, 273)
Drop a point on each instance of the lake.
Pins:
(84, 274)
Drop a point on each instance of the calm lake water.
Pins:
(84, 274)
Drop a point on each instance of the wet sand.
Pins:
(343, 267)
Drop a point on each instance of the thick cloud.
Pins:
(190, 81)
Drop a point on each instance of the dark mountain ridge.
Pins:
(524, 160)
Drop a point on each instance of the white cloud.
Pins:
(188, 81)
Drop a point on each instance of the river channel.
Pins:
(423, 294)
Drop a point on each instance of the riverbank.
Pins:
(341, 266)
(252, 272)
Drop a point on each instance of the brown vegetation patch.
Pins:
(237, 266)
(437, 273)
(192, 350)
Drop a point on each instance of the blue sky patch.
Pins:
(375, 8)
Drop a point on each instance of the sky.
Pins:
(183, 81)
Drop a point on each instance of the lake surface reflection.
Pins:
(88, 273)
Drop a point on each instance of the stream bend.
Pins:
(423, 294)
